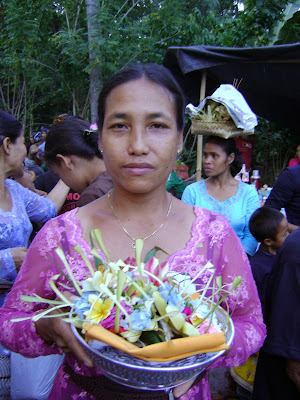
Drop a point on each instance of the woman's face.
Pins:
(69, 171)
(26, 180)
(298, 152)
(139, 137)
(17, 156)
(215, 160)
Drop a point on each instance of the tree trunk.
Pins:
(92, 8)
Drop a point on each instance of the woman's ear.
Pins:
(6, 144)
(231, 158)
(65, 161)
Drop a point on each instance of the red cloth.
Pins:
(245, 145)
(293, 162)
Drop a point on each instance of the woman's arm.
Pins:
(187, 196)
(8, 268)
(251, 203)
(58, 194)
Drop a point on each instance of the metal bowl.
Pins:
(139, 374)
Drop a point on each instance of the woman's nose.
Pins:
(138, 143)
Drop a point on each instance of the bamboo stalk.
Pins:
(200, 137)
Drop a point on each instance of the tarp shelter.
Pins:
(269, 77)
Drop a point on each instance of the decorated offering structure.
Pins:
(132, 309)
(225, 113)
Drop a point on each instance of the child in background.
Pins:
(270, 228)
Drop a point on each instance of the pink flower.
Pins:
(187, 311)
(130, 261)
(202, 328)
(109, 322)
(153, 266)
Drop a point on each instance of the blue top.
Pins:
(15, 225)
(237, 209)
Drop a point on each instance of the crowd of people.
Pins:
(120, 172)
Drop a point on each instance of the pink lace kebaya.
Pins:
(212, 239)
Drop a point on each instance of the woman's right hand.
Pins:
(58, 332)
(18, 255)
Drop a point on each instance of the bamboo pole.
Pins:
(200, 137)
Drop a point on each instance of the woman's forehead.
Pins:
(213, 147)
(139, 94)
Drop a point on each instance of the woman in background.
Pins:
(19, 205)
(223, 194)
(72, 153)
(296, 160)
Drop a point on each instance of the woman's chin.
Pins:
(17, 173)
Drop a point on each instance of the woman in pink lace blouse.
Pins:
(140, 123)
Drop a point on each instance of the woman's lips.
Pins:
(207, 169)
(138, 168)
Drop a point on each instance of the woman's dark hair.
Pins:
(9, 127)
(71, 137)
(264, 223)
(229, 146)
(153, 73)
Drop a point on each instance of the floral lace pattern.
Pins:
(15, 225)
(212, 239)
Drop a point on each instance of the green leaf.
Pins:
(153, 252)
(150, 337)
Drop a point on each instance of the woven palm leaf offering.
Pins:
(225, 113)
(144, 326)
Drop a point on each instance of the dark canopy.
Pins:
(270, 76)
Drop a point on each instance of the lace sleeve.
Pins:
(39, 208)
(33, 277)
(7, 265)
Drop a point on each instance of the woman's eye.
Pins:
(118, 126)
(157, 125)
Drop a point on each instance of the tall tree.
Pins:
(93, 25)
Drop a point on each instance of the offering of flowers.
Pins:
(142, 303)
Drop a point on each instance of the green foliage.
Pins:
(45, 54)
(290, 32)
(275, 147)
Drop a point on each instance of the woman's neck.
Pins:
(221, 181)
(152, 203)
(92, 169)
(3, 176)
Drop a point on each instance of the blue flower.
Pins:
(140, 319)
(172, 297)
(82, 304)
